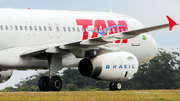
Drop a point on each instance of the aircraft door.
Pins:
(136, 41)
(57, 31)
(50, 31)
(132, 26)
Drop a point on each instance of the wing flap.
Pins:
(34, 52)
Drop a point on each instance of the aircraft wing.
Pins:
(127, 34)
(80, 47)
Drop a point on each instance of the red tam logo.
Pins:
(100, 28)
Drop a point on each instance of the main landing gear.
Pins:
(115, 86)
(52, 84)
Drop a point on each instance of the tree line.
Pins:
(162, 72)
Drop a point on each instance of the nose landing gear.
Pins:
(115, 86)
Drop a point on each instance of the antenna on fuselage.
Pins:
(110, 10)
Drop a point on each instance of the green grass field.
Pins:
(132, 95)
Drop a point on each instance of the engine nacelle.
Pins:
(114, 66)
(5, 75)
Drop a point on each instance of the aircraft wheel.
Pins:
(43, 83)
(55, 83)
(117, 85)
(111, 86)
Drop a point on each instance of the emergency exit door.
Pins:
(132, 26)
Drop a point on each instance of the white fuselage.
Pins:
(23, 31)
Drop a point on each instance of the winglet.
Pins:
(171, 23)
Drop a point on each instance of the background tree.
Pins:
(162, 72)
(71, 87)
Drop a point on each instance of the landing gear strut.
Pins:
(115, 86)
(53, 84)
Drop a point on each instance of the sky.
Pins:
(148, 12)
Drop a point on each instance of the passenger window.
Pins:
(118, 30)
(25, 28)
(82, 29)
(11, 27)
(78, 29)
(100, 30)
(40, 28)
(35, 28)
(44, 28)
(73, 29)
(96, 30)
(109, 30)
(69, 29)
(1, 27)
(105, 30)
(122, 30)
(50, 28)
(113, 30)
(6, 27)
(64, 29)
(20, 27)
(30, 28)
(91, 29)
(16, 27)
(57, 28)
(87, 29)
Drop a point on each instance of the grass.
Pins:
(129, 95)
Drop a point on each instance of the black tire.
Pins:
(118, 85)
(43, 83)
(55, 83)
(111, 86)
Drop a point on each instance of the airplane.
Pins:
(103, 45)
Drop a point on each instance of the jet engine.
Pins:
(5, 75)
(114, 66)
